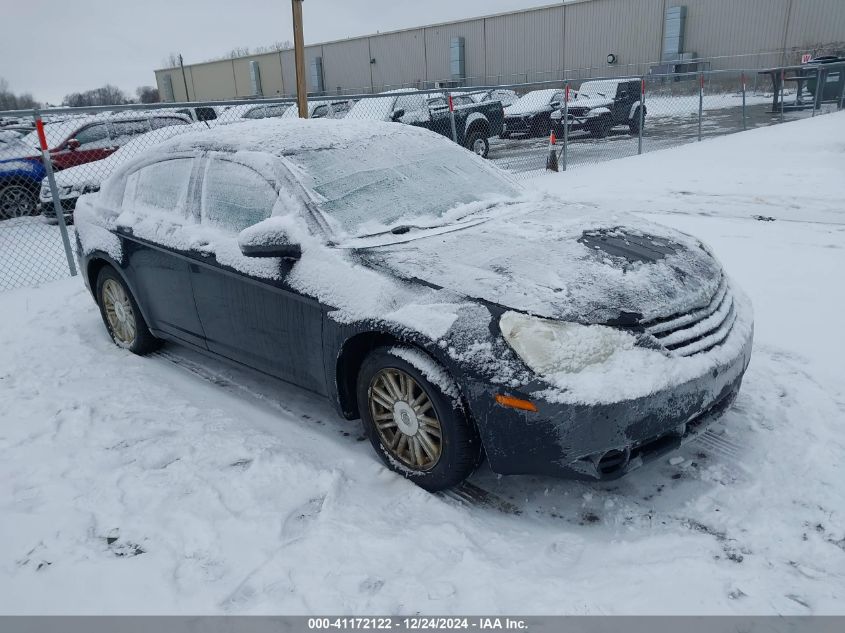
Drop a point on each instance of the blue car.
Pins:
(20, 181)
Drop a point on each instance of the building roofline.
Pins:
(393, 32)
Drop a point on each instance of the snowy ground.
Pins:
(176, 484)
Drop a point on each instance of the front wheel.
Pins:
(16, 201)
(478, 144)
(416, 428)
(123, 319)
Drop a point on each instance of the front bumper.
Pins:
(518, 125)
(605, 440)
(48, 210)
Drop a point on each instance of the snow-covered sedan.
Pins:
(531, 114)
(420, 289)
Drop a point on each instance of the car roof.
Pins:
(281, 136)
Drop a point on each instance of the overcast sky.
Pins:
(53, 47)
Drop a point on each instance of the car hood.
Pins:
(519, 110)
(590, 102)
(550, 259)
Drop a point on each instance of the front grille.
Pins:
(700, 330)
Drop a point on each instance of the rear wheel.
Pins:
(16, 201)
(600, 127)
(416, 429)
(120, 313)
(478, 144)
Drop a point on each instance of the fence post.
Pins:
(641, 114)
(700, 102)
(816, 101)
(841, 103)
(782, 82)
(452, 117)
(54, 190)
(565, 126)
(744, 112)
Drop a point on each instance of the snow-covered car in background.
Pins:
(475, 123)
(504, 96)
(73, 141)
(422, 290)
(200, 113)
(75, 181)
(531, 114)
(599, 106)
(317, 109)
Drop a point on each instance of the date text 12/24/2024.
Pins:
(417, 623)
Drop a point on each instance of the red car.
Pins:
(86, 139)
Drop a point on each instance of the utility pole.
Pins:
(184, 79)
(299, 57)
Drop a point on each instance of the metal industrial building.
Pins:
(569, 40)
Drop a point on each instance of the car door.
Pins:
(156, 241)
(624, 99)
(94, 143)
(255, 319)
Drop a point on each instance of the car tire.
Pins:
(121, 315)
(478, 144)
(403, 412)
(17, 201)
(600, 127)
(634, 122)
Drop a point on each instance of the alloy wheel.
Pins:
(405, 419)
(479, 146)
(15, 202)
(119, 312)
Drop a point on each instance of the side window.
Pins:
(122, 131)
(340, 109)
(320, 111)
(93, 136)
(256, 113)
(165, 121)
(161, 186)
(235, 196)
(205, 113)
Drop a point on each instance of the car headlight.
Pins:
(549, 347)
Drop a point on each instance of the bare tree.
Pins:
(147, 94)
(10, 101)
(171, 61)
(106, 95)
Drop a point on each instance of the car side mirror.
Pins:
(268, 239)
(622, 95)
(555, 104)
(397, 114)
(72, 144)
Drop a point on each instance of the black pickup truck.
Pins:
(475, 123)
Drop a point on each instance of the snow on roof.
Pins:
(281, 136)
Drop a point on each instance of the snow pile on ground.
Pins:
(175, 484)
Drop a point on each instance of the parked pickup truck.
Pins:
(599, 106)
(475, 123)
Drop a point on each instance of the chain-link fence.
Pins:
(526, 129)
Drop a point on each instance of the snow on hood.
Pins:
(532, 102)
(589, 101)
(531, 260)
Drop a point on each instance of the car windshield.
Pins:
(55, 133)
(378, 108)
(377, 184)
(536, 99)
(597, 89)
